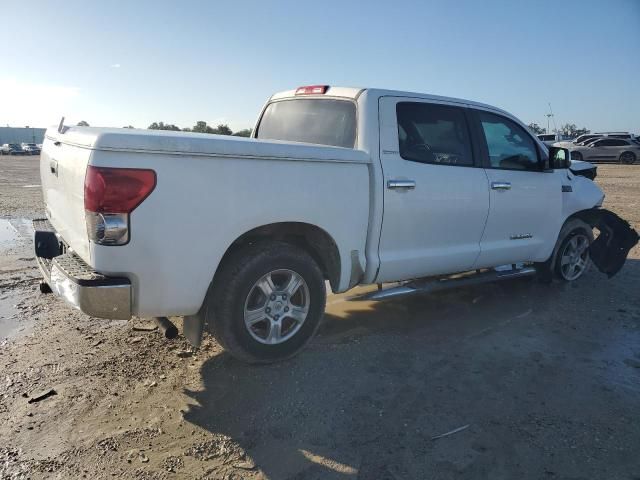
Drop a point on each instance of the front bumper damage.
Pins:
(616, 238)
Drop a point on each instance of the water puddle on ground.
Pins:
(14, 232)
(16, 235)
(10, 324)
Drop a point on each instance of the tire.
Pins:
(627, 158)
(571, 255)
(237, 300)
(575, 156)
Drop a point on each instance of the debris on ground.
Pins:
(42, 395)
(144, 328)
(455, 430)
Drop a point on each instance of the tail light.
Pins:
(110, 195)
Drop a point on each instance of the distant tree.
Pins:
(202, 127)
(571, 130)
(243, 133)
(537, 129)
(163, 126)
(83, 123)
(223, 129)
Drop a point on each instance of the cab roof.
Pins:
(354, 92)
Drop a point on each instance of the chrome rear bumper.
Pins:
(72, 279)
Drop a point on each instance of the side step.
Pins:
(435, 284)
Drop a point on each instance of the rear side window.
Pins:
(319, 121)
(612, 143)
(510, 147)
(431, 133)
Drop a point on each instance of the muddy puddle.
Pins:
(14, 233)
(11, 324)
(15, 248)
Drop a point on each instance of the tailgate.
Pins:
(62, 171)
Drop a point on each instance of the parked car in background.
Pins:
(608, 149)
(31, 148)
(12, 149)
(588, 137)
(550, 138)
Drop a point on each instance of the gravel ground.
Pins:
(544, 380)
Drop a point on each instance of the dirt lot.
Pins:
(547, 379)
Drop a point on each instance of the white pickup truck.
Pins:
(354, 186)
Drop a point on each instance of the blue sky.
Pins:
(116, 63)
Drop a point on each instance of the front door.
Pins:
(436, 197)
(526, 201)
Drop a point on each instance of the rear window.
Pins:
(319, 121)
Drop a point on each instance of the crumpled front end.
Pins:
(616, 238)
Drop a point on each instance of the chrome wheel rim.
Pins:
(276, 307)
(575, 257)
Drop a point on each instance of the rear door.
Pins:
(436, 197)
(526, 201)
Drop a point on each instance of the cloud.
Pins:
(115, 65)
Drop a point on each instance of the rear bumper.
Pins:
(76, 282)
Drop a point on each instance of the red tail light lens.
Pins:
(116, 190)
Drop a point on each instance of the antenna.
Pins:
(61, 126)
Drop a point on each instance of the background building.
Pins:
(21, 135)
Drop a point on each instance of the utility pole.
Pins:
(550, 116)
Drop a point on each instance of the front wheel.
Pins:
(267, 302)
(572, 256)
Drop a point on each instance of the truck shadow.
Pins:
(380, 379)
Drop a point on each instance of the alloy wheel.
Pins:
(574, 259)
(276, 307)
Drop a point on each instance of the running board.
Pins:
(436, 284)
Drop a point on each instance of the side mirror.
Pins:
(558, 158)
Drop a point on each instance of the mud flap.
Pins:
(609, 251)
(193, 327)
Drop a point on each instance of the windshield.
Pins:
(320, 121)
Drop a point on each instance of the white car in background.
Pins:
(31, 148)
(551, 138)
(608, 149)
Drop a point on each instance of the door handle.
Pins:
(408, 184)
(501, 185)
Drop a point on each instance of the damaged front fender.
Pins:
(616, 238)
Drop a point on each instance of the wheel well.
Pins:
(314, 240)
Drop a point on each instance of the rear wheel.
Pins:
(627, 158)
(267, 302)
(576, 156)
(572, 255)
